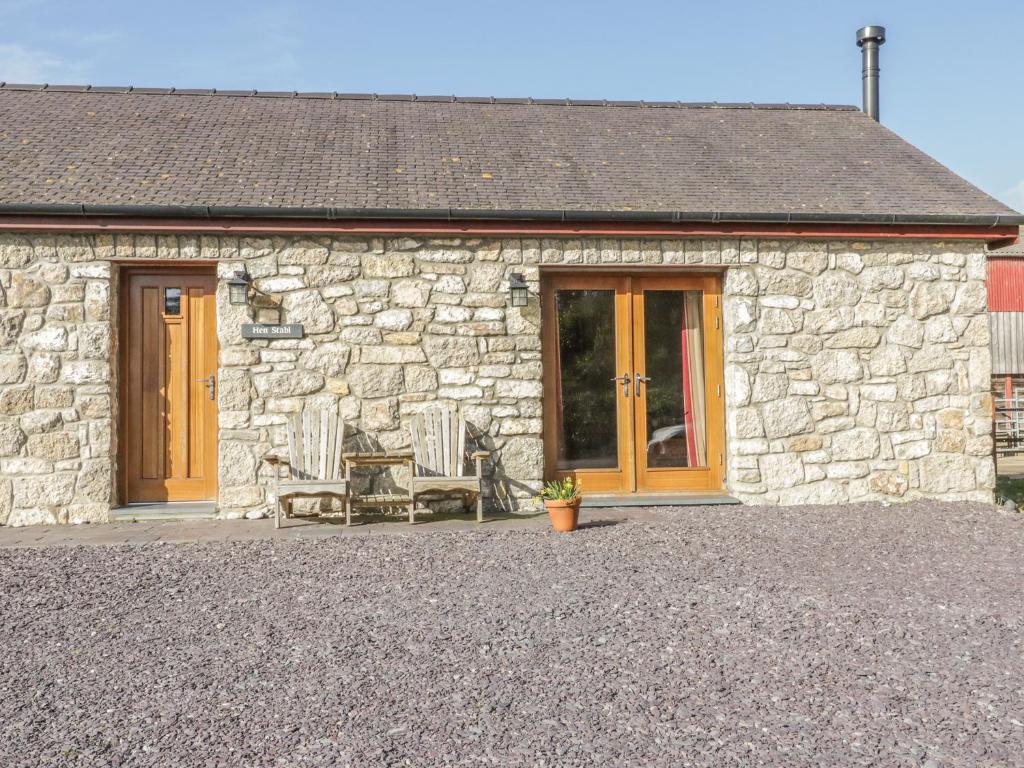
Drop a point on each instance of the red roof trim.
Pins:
(1000, 234)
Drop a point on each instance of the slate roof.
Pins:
(345, 154)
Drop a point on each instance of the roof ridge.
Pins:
(337, 96)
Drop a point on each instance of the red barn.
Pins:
(1006, 305)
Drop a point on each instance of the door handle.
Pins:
(640, 378)
(624, 378)
(211, 386)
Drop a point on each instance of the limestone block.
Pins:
(288, 383)
(388, 265)
(12, 438)
(741, 315)
(769, 386)
(451, 351)
(837, 366)
(927, 299)
(951, 418)
(855, 444)
(95, 341)
(96, 480)
(41, 421)
(32, 516)
(27, 291)
(380, 414)
(878, 278)
(737, 386)
(53, 445)
(867, 338)
(392, 354)
(486, 277)
(393, 319)
(48, 339)
(931, 357)
(892, 417)
(14, 401)
(236, 464)
(521, 458)
(330, 359)
(280, 284)
(971, 298)
(234, 390)
(330, 276)
(411, 293)
(420, 378)
(12, 369)
(828, 320)
(49, 490)
(303, 252)
(86, 372)
(782, 470)
(372, 380)
(741, 282)
(888, 483)
(834, 289)
(879, 392)
(95, 512)
(97, 300)
(849, 470)
(950, 441)
(811, 259)
(518, 389)
(947, 472)
(887, 360)
(786, 416)
(779, 321)
(452, 314)
(309, 309)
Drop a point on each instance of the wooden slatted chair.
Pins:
(439, 458)
(314, 462)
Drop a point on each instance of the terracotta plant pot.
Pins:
(565, 515)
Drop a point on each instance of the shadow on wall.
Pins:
(498, 490)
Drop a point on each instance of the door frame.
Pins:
(632, 345)
(125, 270)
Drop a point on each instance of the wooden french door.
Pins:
(168, 343)
(633, 381)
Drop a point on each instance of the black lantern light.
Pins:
(238, 289)
(519, 292)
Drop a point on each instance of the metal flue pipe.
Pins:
(870, 39)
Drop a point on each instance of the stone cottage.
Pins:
(780, 303)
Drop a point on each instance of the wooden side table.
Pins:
(376, 459)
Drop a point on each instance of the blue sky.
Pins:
(952, 72)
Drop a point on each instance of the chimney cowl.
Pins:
(869, 33)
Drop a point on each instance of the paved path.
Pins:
(253, 530)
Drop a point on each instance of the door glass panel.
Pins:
(586, 396)
(674, 350)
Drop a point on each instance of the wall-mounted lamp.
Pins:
(238, 288)
(519, 291)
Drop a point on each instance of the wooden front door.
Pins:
(633, 381)
(168, 344)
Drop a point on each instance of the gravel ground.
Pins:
(854, 635)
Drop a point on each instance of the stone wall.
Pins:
(853, 370)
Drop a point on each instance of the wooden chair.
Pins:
(439, 457)
(314, 462)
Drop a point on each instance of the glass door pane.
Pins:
(585, 366)
(672, 384)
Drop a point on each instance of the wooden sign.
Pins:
(273, 331)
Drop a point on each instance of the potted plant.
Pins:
(562, 500)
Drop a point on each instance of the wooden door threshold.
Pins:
(678, 499)
(165, 511)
